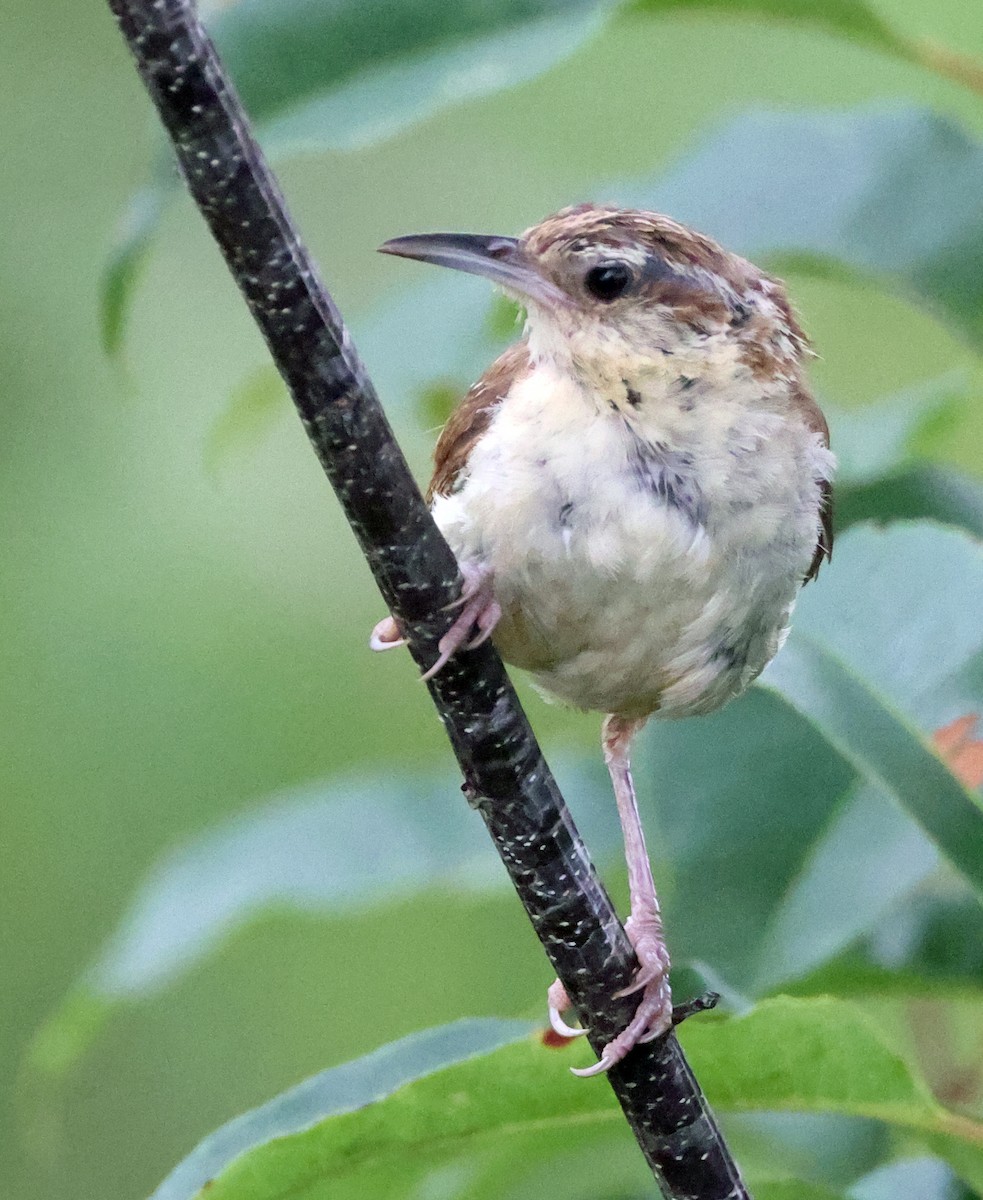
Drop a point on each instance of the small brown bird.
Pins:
(635, 492)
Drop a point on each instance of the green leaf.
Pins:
(317, 75)
(891, 195)
(890, 434)
(918, 491)
(846, 18)
(518, 1102)
(252, 408)
(335, 848)
(764, 799)
(287, 53)
(871, 661)
(900, 607)
(871, 733)
(868, 858)
(345, 1089)
(387, 97)
(127, 259)
(715, 795)
(910, 1179)
(339, 848)
(793, 1189)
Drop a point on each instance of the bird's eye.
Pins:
(608, 281)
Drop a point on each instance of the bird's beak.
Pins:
(500, 259)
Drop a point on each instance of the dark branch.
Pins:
(506, 776)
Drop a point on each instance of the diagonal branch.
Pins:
(507, 779)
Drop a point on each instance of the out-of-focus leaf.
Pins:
(251, 410)
(825, 1149)
(356, 843)
(505, 318)
(847, 18)
(939, 935)
(768, 807)
(387, 98)
(888, 434)
(347, 1089)
(910, 1179)
(869, 858)
(126, 260)
(284, 53)
(793, 1189)
(448, 313)
(727, 836)
(332, 848)
(852, 19)
(894, 195)
(918, 491)
(816, 1055)
(757, 798)
(339, 74)
(869, 660)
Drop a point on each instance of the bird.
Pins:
(635, 492)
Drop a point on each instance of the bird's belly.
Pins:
(620, 603)
(675, 634)
(635, 584)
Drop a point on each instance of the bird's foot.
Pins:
(652, 1018)
(479, 610)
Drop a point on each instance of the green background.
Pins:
(178, 638)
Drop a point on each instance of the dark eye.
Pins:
(608, 281)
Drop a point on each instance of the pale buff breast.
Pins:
(641, 564)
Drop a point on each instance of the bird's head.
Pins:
(600, 282)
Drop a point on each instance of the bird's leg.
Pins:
(644, 926)
(479, 610)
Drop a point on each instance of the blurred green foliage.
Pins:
(177, 646)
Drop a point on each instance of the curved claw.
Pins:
(386, 636)
(488, 618)
(560, 1027)
(473, 577)
(605, 1064)
(481, 610)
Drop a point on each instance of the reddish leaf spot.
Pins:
(960, 751)
(554, 1040)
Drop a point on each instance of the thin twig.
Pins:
(507, 779)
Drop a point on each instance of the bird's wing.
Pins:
(812, 415)
(472, 417)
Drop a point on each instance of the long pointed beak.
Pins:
(500, 259)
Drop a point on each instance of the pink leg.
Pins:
(644, 926)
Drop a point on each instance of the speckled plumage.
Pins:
(635, 494)
(647, 498)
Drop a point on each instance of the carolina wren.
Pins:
(635, 492)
